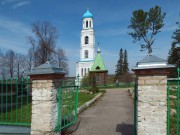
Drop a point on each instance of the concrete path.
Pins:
(111, 115)
(14, 130)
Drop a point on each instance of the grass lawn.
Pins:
(83, 98)
(113, 86)
(19, 116)
(173, 102)
(22, 115)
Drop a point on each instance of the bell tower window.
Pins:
(85, 71)
(90, 24)
(86, 40)
(86, 54)
(86, 24)
(82, 72)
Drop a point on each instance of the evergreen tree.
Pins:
(145, 26)
(171, 57)
(125, 62)
(119, 66)
(93, 88)
(174, 56)
(121, 62)
(176, 34)
(117, 71)
(174, 52)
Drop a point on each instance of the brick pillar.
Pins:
(44, 103)
(152, 101)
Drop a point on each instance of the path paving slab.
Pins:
(14, 130)
(110, 115)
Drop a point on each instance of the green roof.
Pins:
(98, 63)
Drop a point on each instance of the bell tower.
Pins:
(87, 45)
(87, 38)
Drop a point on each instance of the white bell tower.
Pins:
(87, 46)
(87, 38)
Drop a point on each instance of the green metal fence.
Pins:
(15, 102)
(135, 107)
(67, 105)
(173, 106)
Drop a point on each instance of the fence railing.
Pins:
(15, 102)
(67, 106)
(173, 106)
(135, 107)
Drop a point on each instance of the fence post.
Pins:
(151, 114)
(44, 98)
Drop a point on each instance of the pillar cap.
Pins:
(152, 65)
(47, 68)
(152, 62)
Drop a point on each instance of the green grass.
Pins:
(112, 86)
(173, 105)
(22, 114)
(83, 98)
(19, 116)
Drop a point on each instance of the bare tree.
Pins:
(20, 65)
(126, 78)
(62, 60)
(9, 62)
(43, 47)
(2, 66)
(43, 42)
(30, 59)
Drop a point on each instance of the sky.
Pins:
(111, 19)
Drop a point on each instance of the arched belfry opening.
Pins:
(86, 54)
(86, 24)
(90, 24)
(86, 40)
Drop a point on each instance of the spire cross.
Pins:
(98, 50)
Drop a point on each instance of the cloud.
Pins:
(112, 32)
(16, 46)
(13, 35)
(109, 53)
(170, 28)
(14, 26)
(15, 3)
(4, 2)
(20, 4)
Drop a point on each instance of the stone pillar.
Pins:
(44, 107)
(151, 73)
(44, 99)
(152, 104)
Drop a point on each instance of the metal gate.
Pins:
(173, 106)
(135, 107)
(15, 102)
(67, 106)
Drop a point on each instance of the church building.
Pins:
(98, 71)
(87, 46)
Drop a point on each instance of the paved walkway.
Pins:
(14, 130)
(111, 115)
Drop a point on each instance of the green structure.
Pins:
(173, 105)
(98, 70)
(15, 102)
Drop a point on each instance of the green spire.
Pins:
(98, 62)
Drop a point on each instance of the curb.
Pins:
(87, 104)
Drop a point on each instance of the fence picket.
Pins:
(15, 100)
